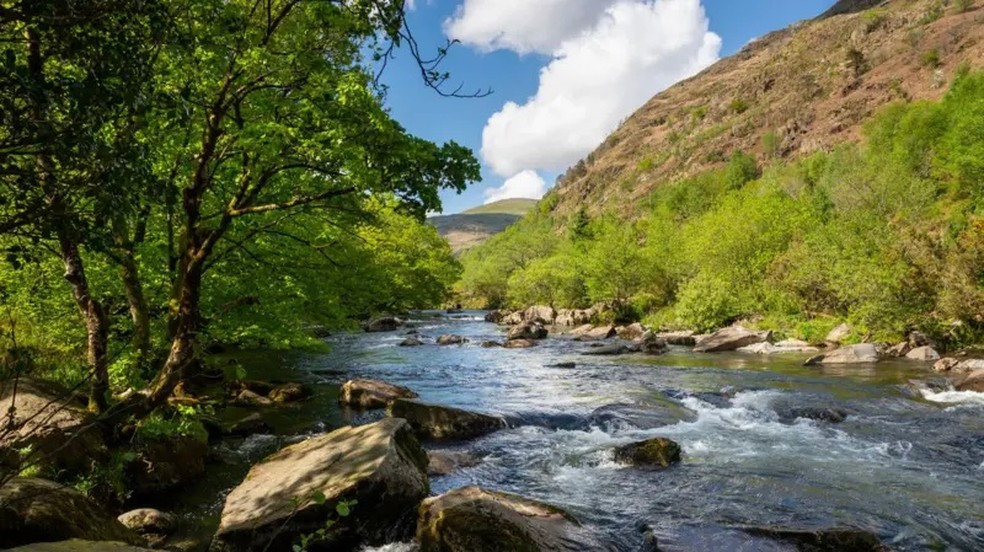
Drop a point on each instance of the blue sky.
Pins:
(569, 70)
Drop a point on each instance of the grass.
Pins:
(517, 206)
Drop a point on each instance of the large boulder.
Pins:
(49, 423)
(974, 381)
(540, 314)
(632, 332)
(451, 339)
(293, 492)
(433, 421)
(686, 338)
(513, 318)
(37, 510)
(924, 353)
(657, 453)
(862, 353)
(153, 525)
(166, 464)
(496, 316)
(473, 519)
(824, 540)
(383, 324)
(529, 330)
(367, 393)
(77, 545)
(950, 364)
(651, 344)
(594, 332)
(729, 339)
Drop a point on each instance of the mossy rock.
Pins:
(659, 453)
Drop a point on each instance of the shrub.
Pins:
(738, 106)
(705, 303)
(931, 58)
(961, 6)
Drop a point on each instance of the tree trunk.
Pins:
(135, 298)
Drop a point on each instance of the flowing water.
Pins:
(907, 466)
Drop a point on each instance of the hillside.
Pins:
(474, 226)
(792, 92)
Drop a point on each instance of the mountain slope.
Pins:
(474, 226)
(792, 92)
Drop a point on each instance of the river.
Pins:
(903, 465)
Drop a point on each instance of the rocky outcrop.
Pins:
(519, 344)
(383, 324)
(825, 540)
(974, 381)
(432, 421)
(379, 466)
(656, 453)
(862, 353)
(729, 339)
(528, 330)
(451, 340)
(162, 465)
(540, 314)
(473, 519)
(446, 462)
(77, 545)
(923, 354)
(37, 510)
(52, 425)
(366, 393)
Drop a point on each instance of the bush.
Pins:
(705, 303)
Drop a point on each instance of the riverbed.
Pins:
(905, 465)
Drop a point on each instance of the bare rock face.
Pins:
(291, 493)
(366, 393)
(55, 427)
(432, 421)
(729, 339)
(657, 453)
(862, 353)
(38, 510)
(473, 519)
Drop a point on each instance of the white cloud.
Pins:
(524, 184)
(523, 26)
(598, 75)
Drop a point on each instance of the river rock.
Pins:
(411, 342)
(658, 453)
(148, 522)
(251, 399)
(473, 519)
(432, 421)
(78, 545)
(686, 338)
(729, 339)
(55, 427)
(594, 332)
(451, 340)
(573, 317)
(383, 324)
(622, 416)
(974, 381)
(611, 350)
(899, 350)
(564, 365)
(519, 344)
(861, 353)
(954, 365)
(249, 425)
(38, 510)
(824, 540)
(529, 330)
(923, 354)
(838, 334)
(496, 316)
(540, 314)
(366, 393)
(513, 318)
(491, 344)
(829, 415)
(632, 332)
(166, 464)
(446, 462)
(290, 392)
(380, 466)
(787, 346)
(919, 339)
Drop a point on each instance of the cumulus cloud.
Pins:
(523, 26)
(598, 74)
(524, 184)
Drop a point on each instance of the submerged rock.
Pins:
(565, 365)
(290, 392)
(432, 421)
(37, 510)
(411, 342)
(367, 393)
(473, 519)
(830, 415)
(519, 344)
(611, 350)
(633, 416)
(451, 340)
(729, 339)
(491, 344)
(249, 425)
(824, 540)
(446, 462)
(291, 493)
(658, 453)
(861, 353)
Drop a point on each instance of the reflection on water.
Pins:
(907, 468)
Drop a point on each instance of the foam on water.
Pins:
(953, 397)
